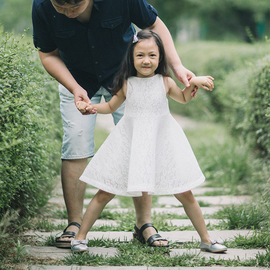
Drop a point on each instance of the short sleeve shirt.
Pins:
(94, 51)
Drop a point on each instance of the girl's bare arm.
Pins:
(184, 96)
(106, 107)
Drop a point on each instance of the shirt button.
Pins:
(93, 47)
(100, 76)
(96, 62)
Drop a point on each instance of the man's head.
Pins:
(70, 8)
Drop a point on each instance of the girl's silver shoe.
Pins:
(215, 246)
(78, 246)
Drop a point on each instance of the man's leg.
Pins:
(78, 145)
(73, 189)
(143, 207)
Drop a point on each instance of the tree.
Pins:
(218, 19)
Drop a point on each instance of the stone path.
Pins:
(163, 205)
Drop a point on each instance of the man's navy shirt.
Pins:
(94, 51)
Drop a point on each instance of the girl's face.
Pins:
(146, 57)
(71, 10)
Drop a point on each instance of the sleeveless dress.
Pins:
(147, 151)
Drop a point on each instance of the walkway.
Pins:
(166, 206)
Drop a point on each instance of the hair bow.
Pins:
(135, 38)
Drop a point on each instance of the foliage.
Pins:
(246, 103)
(11, 19)
(29, 144)
(229, 64)
(213, 17)
(249, 216)
(258, 118)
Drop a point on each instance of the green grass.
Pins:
(246, 216)
(134, 254)
(43, 224)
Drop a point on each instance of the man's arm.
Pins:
(57, 69)
(181, 73)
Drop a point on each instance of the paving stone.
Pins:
(206, 268)
(212, 200)
(42, 252)
(187, 222)
(175, 236)
(114, 202)
(59, 200)
(181, 211)
(99, 222)
(91, 190)
(202, 190)
(231, 254)
(76, 267)
(178, 211)
(224, 200)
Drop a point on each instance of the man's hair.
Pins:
(62, 2)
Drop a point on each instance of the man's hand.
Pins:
(82, 102)
(183, 75)
(85, 108)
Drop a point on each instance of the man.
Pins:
(81, 44)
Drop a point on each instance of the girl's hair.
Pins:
(127, 68)
(62, 2)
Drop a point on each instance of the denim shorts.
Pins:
(78, 138)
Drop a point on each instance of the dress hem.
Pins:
(138, 193)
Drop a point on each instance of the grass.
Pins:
(215, 157)
(246, 216)
(133, 253)
(223, 159)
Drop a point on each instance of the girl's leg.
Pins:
(194, 213)
(93, 211)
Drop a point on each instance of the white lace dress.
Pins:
(147, 151)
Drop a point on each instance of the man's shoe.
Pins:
(66, 234)
(214, 247)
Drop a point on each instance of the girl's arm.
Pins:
(184, 96)
(106, 107)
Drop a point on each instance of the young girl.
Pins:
(147, 151)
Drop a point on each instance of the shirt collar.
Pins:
(96, 2)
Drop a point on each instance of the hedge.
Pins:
(258, 109)
(29, 132)
(217, 59)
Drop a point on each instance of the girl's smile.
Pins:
(146, 57)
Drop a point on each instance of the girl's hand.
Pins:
(85, 108)
(204, 82)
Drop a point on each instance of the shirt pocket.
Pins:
(64, 38)
(112, 30)
(112, 23)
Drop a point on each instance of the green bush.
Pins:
(246, 104)
(29, 134)
(217, 59)
(258, 117)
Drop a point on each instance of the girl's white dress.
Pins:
(147, 151)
